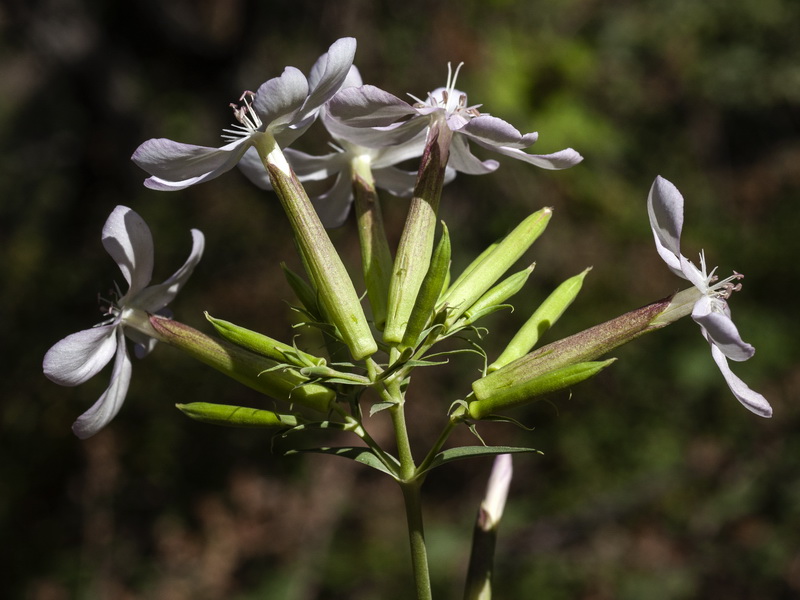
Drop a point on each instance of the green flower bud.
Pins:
(257, 372)
(498, 294)
(508, 392)
(462, 295)
(579, 348)
(478, 259)
(237, 416)
(541, 320)
(264, 345)
(429, 291)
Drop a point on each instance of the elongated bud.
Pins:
(336, 293)
(416, 244)
(376, 258)
(579, 348)
(497, 295)
(478, 259)
(429, 291)
(237, 416)
(509, 392)
(541, 320)
(264, 345)
(257, 372)
(484, 536)
(484, 275)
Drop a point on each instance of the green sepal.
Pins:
(462, 295)
(462, 452)
(429, 291)
(264, 345)
(541, 320)
(502, 393)
(304, 292)
(362, 455)
(237, 416)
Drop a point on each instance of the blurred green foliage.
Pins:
(654, 482)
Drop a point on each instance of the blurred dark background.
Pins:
(654, 483)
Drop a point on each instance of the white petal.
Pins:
(278, 100)
(175, 166)
(253, 168)
(127, 238)
(563, 159)
(80, 356)
(334, 205)
(156, 297)
(328, 74)
(720, 330)
(497, 489)
(497, 132)
(107, 407)
(369, 106)
(752, 401)
(463, 161)
(665, 208)
(396, 181)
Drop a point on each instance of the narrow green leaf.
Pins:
(451, 454)
(365, 456)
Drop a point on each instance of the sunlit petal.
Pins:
(80, 356)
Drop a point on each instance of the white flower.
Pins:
(376, 118)
(80, 356)
(283, 107)
(711, 311)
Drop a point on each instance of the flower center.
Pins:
(715, 289)
(453, 101)
(249, 122)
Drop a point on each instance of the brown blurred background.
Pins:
(654, 483)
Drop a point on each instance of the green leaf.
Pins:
(462, 452)
(365, 456)
(237, 416)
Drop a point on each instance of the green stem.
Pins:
(416, 536)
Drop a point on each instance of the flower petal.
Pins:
(107, 407)
(752, 401)
(494, 132)
(175, 166)
(665, 208)
(396, 181)
(253, 168)
(563, 159)
(463, 161)
(278, 99)
(713, 315)
(334, 205)
(156, 297)
(368, 106)
(80, 356)
(328, 74)
(127, 238)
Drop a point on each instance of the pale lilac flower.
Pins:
(711, 311)
(80, 356)
(376, 118)
(283, 108)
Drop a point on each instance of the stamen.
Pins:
(247, 117)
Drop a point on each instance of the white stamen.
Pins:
(248, 118)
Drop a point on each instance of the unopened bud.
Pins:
(237, 416)
(483, 276)
(541, 320)
(262, 374)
